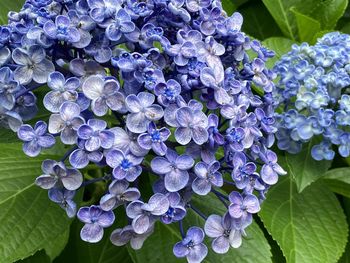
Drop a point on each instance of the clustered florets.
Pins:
(313, 94)
(159, 88)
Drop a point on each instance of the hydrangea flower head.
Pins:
(165, 96)
(312, 88)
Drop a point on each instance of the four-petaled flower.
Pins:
(103, 93)
(154, 139)
(192, 246)
(143, 215)
(66, 122)
(125, 166)
(35, 139)
(208, 175)
(62, 30)
(95, 220)
(174, 168)
(57, 174)
(142, 111)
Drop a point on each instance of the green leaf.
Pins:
(326, 12)
(7, 136)
(38, 257)
(338, 180)
(78, 251)
(307, 26)
(258, 24)
(346, 256)
(309, 226)
(157, 247)
(6, 6)
(279, 45)
(303, 168)
(29, 220)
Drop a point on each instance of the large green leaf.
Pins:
(346, 256)
(303, 168)
(309, 226)
(231, 6)
(258, 24)
(78, 251)
(338, 180)
(255, 247)
(307, 26)
(326, 12)
(9, 5)
(29, 220)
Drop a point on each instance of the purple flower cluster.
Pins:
(164, 89)
(313, 90)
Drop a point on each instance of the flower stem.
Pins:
(181, 229)
(198, 212)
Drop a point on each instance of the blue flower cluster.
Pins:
(313, 94)
(166, 89)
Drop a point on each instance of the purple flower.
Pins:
(61, 90)
(242, 207)
(192, 246)
(209, 20)
(215, 137)
(223, 231)
(174, 168)
(101, 10)
(35, 139)
(271, 169)
(143, 215)
(119, 193)
(32, 65)
(81, 157)
(207, 176)
(142, 111)
(192, 123)
(167, 92)
(95, 220)
(124, 166)
(154, 139)
(176, 211)
(235, 137)
(120, 25)
(67, 122)
(209, 79)
(8, 88)
(95, 135)
(197, 5)
(122, 236)
(242, 170)
(267, 120)
(62, 30)
(57, 174)
(103, 94)
(127, 141)
(64, 198)
(183, 52)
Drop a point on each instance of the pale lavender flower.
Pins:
(143, 215)
(242, 207)
(154, 139)
(64, 198)
(125, 166)
(271, 169)
(174, 168)
(122, 236)
(142, 111)
(119, 193)
(222, 230)
(35, 139)
(96, 135)
(95, 220)
(57, 174)
(66, 122)
(103, 94)
(192, 246)
(61, 90)
(208, 175)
